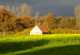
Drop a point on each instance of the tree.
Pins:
(61, 22)
(7, 20)
(12, 5)
(70, 23)
(24, 9)
(50, 20)
(24, 22)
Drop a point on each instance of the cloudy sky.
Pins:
(59, 7)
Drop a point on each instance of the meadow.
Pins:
(53, 44)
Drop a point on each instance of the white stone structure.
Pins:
(36, 31)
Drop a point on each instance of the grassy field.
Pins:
(56, 44)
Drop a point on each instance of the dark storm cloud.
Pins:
(59, 7)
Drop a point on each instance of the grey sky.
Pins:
(59, 7)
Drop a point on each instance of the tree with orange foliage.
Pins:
(7, 20)
(50, 20)
(24, 22)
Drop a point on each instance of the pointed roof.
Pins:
(36, 30)
(43, 27)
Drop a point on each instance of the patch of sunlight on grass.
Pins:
(14, 38)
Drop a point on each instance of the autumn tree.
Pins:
(24, 22)
(50, 19)
(70, 22)
(60, 22)
(7, 20)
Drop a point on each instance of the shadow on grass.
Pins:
(66, 50)
(17, 46)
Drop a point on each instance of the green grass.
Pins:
(19, 38)
(57, 44)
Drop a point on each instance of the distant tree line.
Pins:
(11, 22)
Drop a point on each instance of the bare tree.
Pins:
(12, 5)
(24, 9)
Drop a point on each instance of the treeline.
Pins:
(11, 23)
